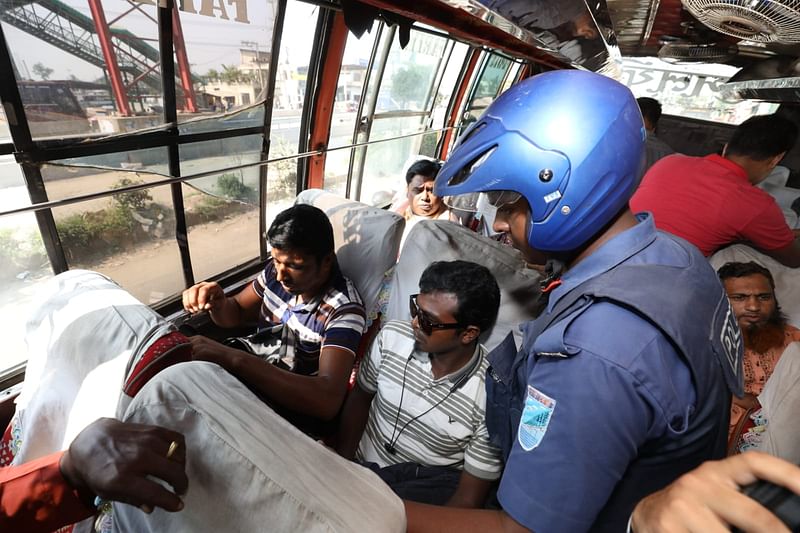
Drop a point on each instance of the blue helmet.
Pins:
(571, 142)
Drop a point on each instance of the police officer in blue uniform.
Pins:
(624, 382)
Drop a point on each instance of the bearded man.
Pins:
(765, 332)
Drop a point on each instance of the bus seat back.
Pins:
(442, 240)
(367, 241)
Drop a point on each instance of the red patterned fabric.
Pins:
(6, 448)
(170, 349)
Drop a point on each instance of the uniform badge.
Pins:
(535, 419)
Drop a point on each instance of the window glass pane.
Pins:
(510, 77)
(349, 94)
(223, 218)
(349, 90)
(386, 162)
(24, 263)
(337, 166)
(228, 50)
(66, 84)
(690, 90)
(121, 168)
(219, 154)
(244, 117)
(223, 224)
(494, 72)
(410, 72)
(445, 93)
(5, 133)
(291, 75)
(129, 237)
(487, 85)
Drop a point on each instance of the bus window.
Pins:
(222, 221)
(62, 80)
(23, 261)
(128, 236)
(228, 46)
(690, 90)
(350, 97)
(486, 86)
(290, 93)
(455, 64)
(404, 94)
(5, 134)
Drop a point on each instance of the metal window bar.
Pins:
(263, 174)
(21, 136)
(169, 180)
(167, 60)
(358, 158)
(55, 149)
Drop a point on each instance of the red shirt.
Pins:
(709, 202)
(35, 497)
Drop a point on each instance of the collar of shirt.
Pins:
(423, 358)
(614, 252)
(737, 170)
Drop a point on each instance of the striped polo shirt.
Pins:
(334, 318)
(451, 434)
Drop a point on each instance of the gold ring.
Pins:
(172, 447)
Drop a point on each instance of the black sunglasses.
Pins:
(424, 322)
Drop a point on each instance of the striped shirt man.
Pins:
(335, 318)
(441, 422)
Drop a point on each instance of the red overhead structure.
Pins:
(183, 62)
(114, 73)
(112, 61)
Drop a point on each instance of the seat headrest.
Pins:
(442, 240)
(367, 241)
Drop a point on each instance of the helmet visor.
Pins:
(482, 201)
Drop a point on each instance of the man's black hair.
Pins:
(650, 108)
(423, 167)
(302, 228)
(762, 137)
(474, 286)
(742, 270)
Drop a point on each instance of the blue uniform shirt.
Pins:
(604, 382)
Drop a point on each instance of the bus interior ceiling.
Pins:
(191, 140)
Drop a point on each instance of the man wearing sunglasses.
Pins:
(417, 412)
(623, 383)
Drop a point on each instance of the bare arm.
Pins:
(471, 492)
(788, 255)
(320, 396)
(423, 518)
(354, 420)
(708, 498)
(225, 311)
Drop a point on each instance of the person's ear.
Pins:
(777, 159)
(470, 334)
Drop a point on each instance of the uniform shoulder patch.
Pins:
(535, 418)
